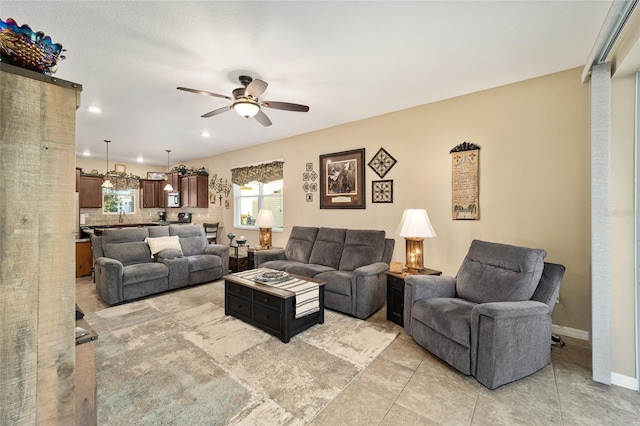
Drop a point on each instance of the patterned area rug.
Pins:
(177, 359)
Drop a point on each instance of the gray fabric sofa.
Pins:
(493, 320)
(351, 262)
(125, 268)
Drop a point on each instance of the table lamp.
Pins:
(265, 222)
(415, 227)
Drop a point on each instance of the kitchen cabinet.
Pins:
(84, 258)
(174, 179)
(90, 191)
(194, 191)
(152, 193)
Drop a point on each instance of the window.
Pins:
(252, 197)
(116, 200)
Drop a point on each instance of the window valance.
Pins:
(263, 173)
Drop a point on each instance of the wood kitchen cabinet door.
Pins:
(90, 191)
(194, 191)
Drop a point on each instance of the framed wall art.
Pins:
(121, 168)
(156, 175)
(382, 191)
(342, 180)
(382, 162)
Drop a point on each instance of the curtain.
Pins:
(600, 89)
(263, 173)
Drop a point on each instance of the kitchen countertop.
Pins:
(97, 229)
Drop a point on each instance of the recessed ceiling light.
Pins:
(205, 134)
(95, 109)
(86, 153)
(140, 160)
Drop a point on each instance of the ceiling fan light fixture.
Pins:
(246, 108)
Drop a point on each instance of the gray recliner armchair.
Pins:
(493, 320)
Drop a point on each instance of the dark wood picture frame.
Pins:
(342, 180)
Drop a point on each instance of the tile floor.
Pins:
(406, 385)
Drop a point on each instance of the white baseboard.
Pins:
(570, 332)
(624, 381)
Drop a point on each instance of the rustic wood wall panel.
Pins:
(37, 159)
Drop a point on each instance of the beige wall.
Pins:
(534, 176)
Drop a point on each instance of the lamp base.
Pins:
(265, 238)
(414, 253)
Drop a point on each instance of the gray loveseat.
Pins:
(351, 262)
(126, 268)
(493, 320)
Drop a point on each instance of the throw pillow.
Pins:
(161, 243)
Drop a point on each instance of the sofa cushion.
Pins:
(336, 281)
(493, 272)
(192, 238)
(451, 317)
(128, 253)
(200, 262)
(327, 249)
(300, 243)
(279, 265)
(141, 272)
(308, 269)
(158, 231)
(361, 247)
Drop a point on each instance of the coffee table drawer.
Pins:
(267, 317)
(239, 307)
(239, 290)
(267, 299)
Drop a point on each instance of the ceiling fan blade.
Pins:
(255, 89)
(262, 118)
(217, 111)
(285, 106)
(202, 92)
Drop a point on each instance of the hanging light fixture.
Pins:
(168, 187)
(107, 183)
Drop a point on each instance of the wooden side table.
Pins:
(395, 293)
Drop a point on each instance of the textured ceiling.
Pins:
(346, 60)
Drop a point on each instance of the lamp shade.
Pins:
(415, 223)
(265, 219)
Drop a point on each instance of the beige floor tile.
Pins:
(447, 399)
(399, 415)
(534, 397)
(405, 351)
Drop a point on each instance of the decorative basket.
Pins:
(22, 47)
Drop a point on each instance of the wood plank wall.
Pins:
(37, 236)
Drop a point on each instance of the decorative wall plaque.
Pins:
(382, 191)
(464, 181)
(382, 162)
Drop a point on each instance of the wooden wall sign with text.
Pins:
(465, 159)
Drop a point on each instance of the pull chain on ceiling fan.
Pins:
(246, 101)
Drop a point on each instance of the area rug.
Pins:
(177, 359)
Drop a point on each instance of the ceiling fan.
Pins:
(246, 102)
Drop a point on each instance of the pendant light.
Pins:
(168, 187)
(107, 183)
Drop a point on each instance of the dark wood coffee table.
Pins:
(269, 308)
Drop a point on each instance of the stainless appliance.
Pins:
(163, 216)
(184, 217)
(173, 199)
